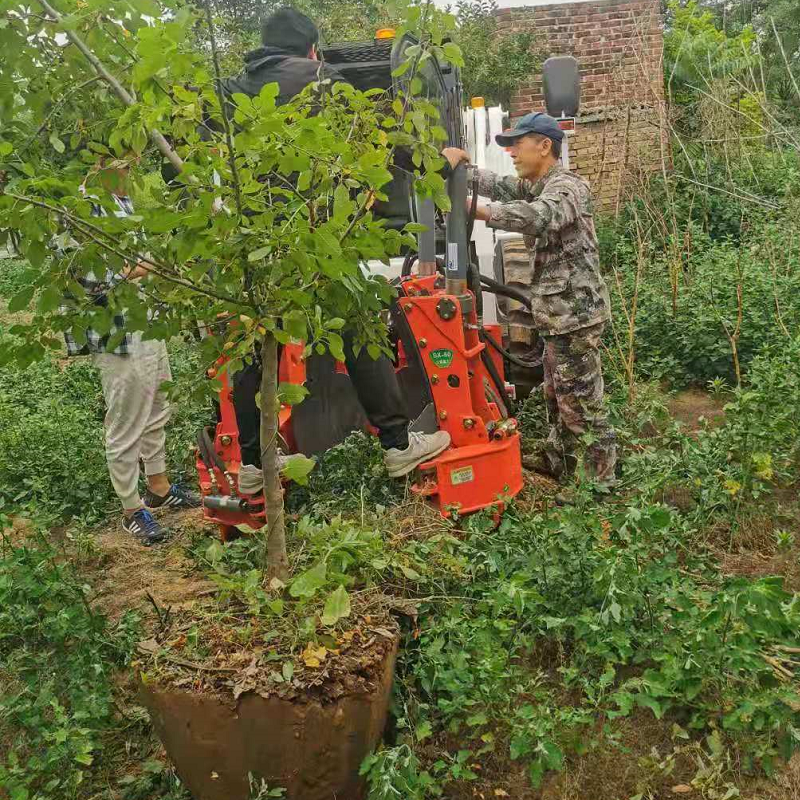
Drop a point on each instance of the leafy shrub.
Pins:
(52, 458)
(13, 276)
(56, 716)
(637, 620)
(347, 478)
(686, 342)
(758, 445)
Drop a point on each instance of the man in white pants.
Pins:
(137, 410)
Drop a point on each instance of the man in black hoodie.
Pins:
(289, 56)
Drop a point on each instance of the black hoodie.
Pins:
(273, 65)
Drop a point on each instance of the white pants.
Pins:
(137, 412)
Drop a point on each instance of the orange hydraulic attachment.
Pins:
(219, 480)
(483, 466)
(481, 469)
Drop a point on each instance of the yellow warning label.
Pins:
(462, 475)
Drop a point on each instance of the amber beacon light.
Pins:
(385, 33)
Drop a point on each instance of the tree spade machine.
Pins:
(449, 364)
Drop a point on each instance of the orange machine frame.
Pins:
(481, 469)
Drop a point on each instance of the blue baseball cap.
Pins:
(539, 122)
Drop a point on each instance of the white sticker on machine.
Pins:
(462, 475)
(452, 256)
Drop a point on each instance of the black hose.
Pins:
(207, 451)
(506, 291)
(473, 210)
(407, 264)
(493, 373)
(512, 358)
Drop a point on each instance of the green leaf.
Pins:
(58, 145)
(337, 606)
(336, 346)
(295, 325)
(298, 468)
(287, 670)
(310, 582)
(402, 69)
(452, 52)
(411, 574)
(147, 7)
(114, 341)
(555, 756)
(646, 701)
(214, 552)
(536, 772)
(292, 393)
(50, 299)
(423, 731)
(6, 149)
(257, 255)
(21, 300)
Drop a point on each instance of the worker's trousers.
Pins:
(573, 389)
(137, 412)
(373, 379)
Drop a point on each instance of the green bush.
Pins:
(687, 343)
(348, 478)
(52, 458)
(757, 446)
(54, 717)
(14, 275)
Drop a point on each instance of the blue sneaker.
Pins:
(143, 526)
(176, 497)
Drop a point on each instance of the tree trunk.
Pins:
(274, 558)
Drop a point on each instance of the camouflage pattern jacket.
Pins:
(555, 217)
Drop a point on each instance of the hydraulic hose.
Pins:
(409, 262)
(512, 358)
(506, 291)
(473, 210)
(209, 455)
(493, 373)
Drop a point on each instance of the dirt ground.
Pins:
(129, 576)
(693, 408)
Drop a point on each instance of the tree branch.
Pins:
(226, 123)
(161, 270)
(122, 93)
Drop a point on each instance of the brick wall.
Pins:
(618, 45)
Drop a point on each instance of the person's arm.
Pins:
(490, 184)
(556, 208)
(498, 188)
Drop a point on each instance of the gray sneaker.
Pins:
(251, 479)
(421, 447)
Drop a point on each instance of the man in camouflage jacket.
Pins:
(552, 208)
